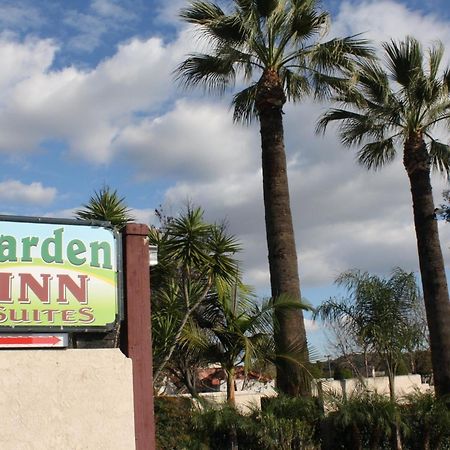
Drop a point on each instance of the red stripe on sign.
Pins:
(24, 340)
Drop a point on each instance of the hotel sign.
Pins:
(58, 274)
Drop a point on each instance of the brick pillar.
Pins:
(136, 332)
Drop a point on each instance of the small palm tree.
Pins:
(276, 46)
(106, 205)
(378, 314)
(238, 331)
(386, 110)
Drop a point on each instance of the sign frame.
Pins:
(119, 316)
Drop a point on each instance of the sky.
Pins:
(88, 98)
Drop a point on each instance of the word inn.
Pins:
(42, 289)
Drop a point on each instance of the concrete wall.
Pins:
(66, 399)
(245, 400)
(404, 385)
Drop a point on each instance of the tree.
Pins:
(195, 261)
(275, 45)
(379, 313)
(443, 211)
(239, 331)
(400, 106)
(106, 205)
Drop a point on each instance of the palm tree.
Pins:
(238, 331)
(275, 46)
(106, 205)
(378, 313)
(400, 106)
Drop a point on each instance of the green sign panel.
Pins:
(62, 275)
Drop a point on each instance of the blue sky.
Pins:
(87, 98)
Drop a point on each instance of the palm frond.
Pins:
(440, 157)
(325, 86)
(213, 72)
(306, 22)
(404, 60)
(266, 7)
(334, 115)
(243, 104)
(296, 86)
(354, 128)
(339, 54)
(435, 55)
(201, 13)
(375, 155)
(446, 80)
(374, 82)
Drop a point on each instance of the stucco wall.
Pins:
(66, 399)
(404, 385)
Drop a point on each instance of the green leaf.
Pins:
(404, 60)
(106, 205)
(440, 157)
(266, 7)
(243, 104)
(375, 155)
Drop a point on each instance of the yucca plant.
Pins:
(106, 205)
(196, 260)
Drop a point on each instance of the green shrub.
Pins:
(174, 424)
(361, 421)
(215, 426)
(282, 424)
(342, 373)
(428, 421)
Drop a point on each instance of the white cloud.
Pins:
(311, 326)
(92, 27)
(22, 61)
(13, 191)
(146, 216)
(386, 19)
(87, 109)
(112, 9)
(19, 15)
(195, 140)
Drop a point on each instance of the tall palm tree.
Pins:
(399, 107)
(275, 45)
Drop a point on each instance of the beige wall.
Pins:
(404, 385)
(66, 399)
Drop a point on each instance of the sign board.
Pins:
(58, 274)
(34, 340)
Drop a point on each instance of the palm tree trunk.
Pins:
(434, 282)
(231, 399)
(231, 392)
(290, 334)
